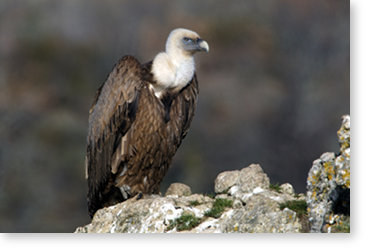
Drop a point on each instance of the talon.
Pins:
(126, 191)
(139, 196)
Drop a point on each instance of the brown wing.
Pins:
(110, 118)
(183, 107)
(189, 105)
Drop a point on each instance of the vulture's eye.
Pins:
(187, 40)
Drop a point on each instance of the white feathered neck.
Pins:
(174, 68)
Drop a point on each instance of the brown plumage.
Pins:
(134, 132)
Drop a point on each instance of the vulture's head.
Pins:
(174, 68)
(186, 42)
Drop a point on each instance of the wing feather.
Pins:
(186, 105)
(111, 116)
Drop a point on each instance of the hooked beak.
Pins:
(202, 45)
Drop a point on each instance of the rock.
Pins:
(178, 189)
(328, 186)
(285, 221)
(253, 177)
(344, 133)
(287, 188)
(225, 180)
(134, 216)
(251, 207)
(342, 162)
(244, 181)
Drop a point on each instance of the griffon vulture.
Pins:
(138, 119)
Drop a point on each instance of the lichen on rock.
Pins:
(328, 185)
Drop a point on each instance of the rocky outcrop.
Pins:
(328, 187)
(244, 202)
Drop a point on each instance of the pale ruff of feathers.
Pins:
(172, 69)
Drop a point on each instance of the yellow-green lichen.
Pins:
(337, 224)
(235, 227)
(329, 169)
(346, 178)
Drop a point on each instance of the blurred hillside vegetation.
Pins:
(272, 91)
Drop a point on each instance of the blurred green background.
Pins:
(272, 91)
